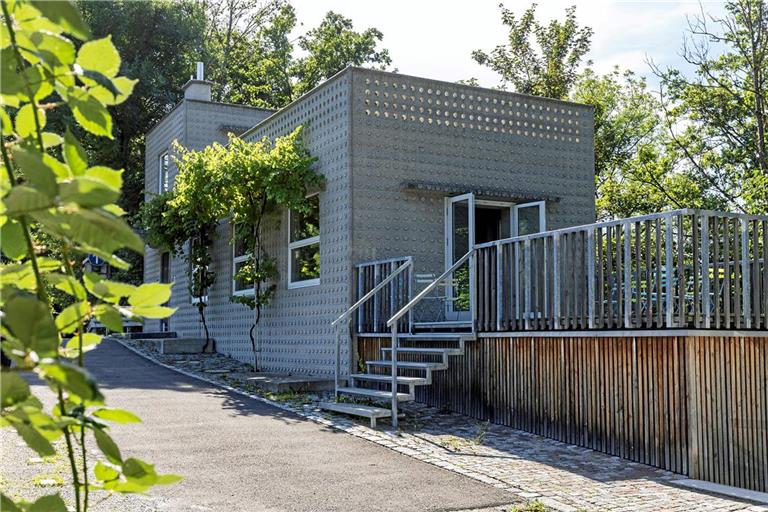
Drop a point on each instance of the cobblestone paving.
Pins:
(559, 476)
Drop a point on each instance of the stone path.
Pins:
(560, 476)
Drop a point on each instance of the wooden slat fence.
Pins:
(687, 268)
(695, 405)
(373, 315)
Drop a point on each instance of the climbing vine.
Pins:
(246, 183)
(49, 189)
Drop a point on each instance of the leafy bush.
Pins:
(48, 186)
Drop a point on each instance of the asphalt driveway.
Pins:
(241, 454)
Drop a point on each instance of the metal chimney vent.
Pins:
(200, 71)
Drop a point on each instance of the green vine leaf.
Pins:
(50, 503)
(23, 200)
(71, 318)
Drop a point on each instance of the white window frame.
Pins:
(164, 174)
(304, 283)
(235, 260)
(542, 206)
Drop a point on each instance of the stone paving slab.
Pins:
(559, 476)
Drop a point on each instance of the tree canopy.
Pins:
(700, 141)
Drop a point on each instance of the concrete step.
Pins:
(376, 394)
(365, 411)
(409, 381)
(410, 365)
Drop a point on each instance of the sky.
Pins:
(434, 39)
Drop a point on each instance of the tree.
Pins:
(161, 63)
(188, 216)
(334, 45)
(718, 119)
(259, 180)
(48, 186)
(538, 59)
(267, 73)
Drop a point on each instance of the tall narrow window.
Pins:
(240, 258)
(163, 175)
(304, 245)
(165, 277)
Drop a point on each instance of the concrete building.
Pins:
(413, 168)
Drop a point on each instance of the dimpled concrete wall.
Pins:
(294, 330)
(413, 129)
(194, 124)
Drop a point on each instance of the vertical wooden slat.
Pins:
(745, 281)
(669, 273)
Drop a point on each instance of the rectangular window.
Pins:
(163, 175)
(304, 245)
(530, 218)
(240, 258)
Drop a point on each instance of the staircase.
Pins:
(415, 366)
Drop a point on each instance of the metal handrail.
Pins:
(392, 322)
(374, 291)
(397, 316)
(354, 307)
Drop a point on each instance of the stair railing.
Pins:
(347, 315)
(393, 322)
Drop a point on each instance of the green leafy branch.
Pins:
(48, 186)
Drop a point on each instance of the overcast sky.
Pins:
(434, 39)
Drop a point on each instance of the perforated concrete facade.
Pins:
(408, 129)
(372, 132)
(194, 124)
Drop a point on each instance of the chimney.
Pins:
(197, 88)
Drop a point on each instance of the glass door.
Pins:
(460, 238)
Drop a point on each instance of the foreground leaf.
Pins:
(73, 379)
(116, 415)
(108, 446)
(13, 389)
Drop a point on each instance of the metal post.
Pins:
(527, 267)
(394, 374)
(745, 281)
(591, 277)
(473, 289)
(627, 276)
(499, 291)
(705, 303)
(338, 362)
(556, 278)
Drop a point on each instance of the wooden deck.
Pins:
(645, 338)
